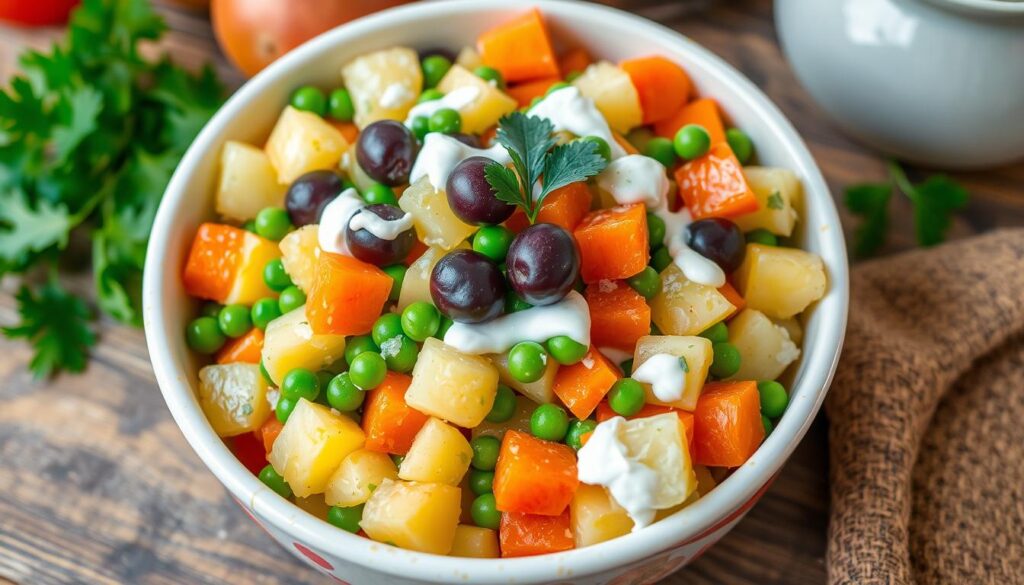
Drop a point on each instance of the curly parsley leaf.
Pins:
(26, 230)
(56, 324)
(934, 202)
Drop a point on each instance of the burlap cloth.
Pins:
(927, 419)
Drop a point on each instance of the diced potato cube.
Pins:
(765, 348)
(520, 421)
(780, 282)
(540, 391)
(290, 343)
(698, 354)
(439, 454)
(299, 252)
(303, 142)
(451, 385)
(468, 59)
(596, 517)
(683, 307)
(613, 93)
(384, 84)
(475, 542)
(233, 398)
(248, 182)
(416, 284)
(249, 286)
(350, 165)
(793, 327)
(489, 106)
(659, 443)
(435, 223)
(312, 445)
(358, 476)
(705, 482)
(778, 192)
(414, 516)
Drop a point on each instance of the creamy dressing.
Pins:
(569, 110)
(442, 153)
(665, 373)
(605, 461)
(335, 219)
(617, 356)
(569, 316)
(383, 229)
(395, 96)
(456, 100)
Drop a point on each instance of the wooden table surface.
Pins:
(97, 485)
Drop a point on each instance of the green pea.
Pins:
(627, 367)
(400, 354)
(273, 223)
(265, 373)
(557, 86)
(717, 333)
(379, 193)
(485, 452)
(647, 283)
(504, 405)
(446, 324)
(740, 144)
(603, 148)
(367, 370)
(692, 141)
(655, 230)
(514, 303)
(481, 482)
(339, 105)
(250, 226)
(549, 422)
(527, 361)
(578, 428)
(774, 398)
(397, 274)
(661, 259)
(310, 99)
(387, 326)
(420, 127)
(768, 426)
(762, 236)
(566, 350)
(234, 320)
(429, 95)
(300, 383)
(397, 460)
(210, 309)
(276, 276)
(435, 67)
(445, 121)
(626, 397)
(273, 480)
(573, 76)
(264, 311)
(284, 408)
(204, 335)
(347, 519)
(323, 378)
(493, 241)
(490, 74)
(420, 320)
(726, 360)
(661, 150)
(357, 345)
(291, 298)
(343, 395)
(484, 512)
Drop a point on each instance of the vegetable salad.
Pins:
(504, 302)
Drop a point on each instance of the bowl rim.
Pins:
(744, 483)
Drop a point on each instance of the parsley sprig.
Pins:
(532, 147)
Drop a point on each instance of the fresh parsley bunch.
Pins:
(90, 133)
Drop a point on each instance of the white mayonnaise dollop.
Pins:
(456, 100)
(569, 316)
(334, 220)
(569, 110)
(442, 153)
(605, 461)
(395, 96)
(383, 229)
(664, 372)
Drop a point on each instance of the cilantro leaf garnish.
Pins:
(871, 203)
(531, 146)
(685, 365)
(56, 324)
(775, 201)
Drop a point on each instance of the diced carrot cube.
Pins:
(524, 535)
(663, 86)
(703, 112)
(727, 426)
(214, 261)
(349, 130)
(733, 296)
(574, 61)
(347, 295)
(625, 144)
(619, 316)
(534, 476)
(613, 243)
(582, 385)
(565, 207)
(389, 422)
(520, 48)
(245, 349)
(524, 93)
(714, 185)
(269, 432)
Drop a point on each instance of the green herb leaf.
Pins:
(684, 364)
(56, 324)
(871, 203)
(25, 230)
(569, 163)
(775, 201)
(934, 202)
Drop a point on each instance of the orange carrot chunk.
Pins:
(663, 86)
(214, 261)
(619, 316)
(245, 349)
(524, 535)
(269, 432)
(625, 144)
(520, 48)
(727, 426)
(613, 243)
(582, 385)
(714, 185)
(703, 112)
(574, 61)
(389, 422)
(733, 296)
(534, 476)
(347, 295)
(524, 93)
(565, 207)
(349, 130)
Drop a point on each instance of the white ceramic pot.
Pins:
(938, 82)
(642, 557)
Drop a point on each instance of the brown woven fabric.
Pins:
(927, 419)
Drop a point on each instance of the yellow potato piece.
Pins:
(312, 445)
(778, 191)
(451, 385)
(436, 225)
(765, 348)
(249, 285)
(384, 84)
(475, 542)
(596, 517)
(233, 398)
(414, 516)
(683, 307)
(299, 253)
(247, 182)
(698, 354)
(361, 473)
(780, 282)
(489, 106)
(613, 93)
(290, 343)
(439, 454)
(301, 142)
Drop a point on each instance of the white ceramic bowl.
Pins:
(641, 557)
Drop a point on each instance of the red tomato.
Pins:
(36, 12)
(254, 33)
